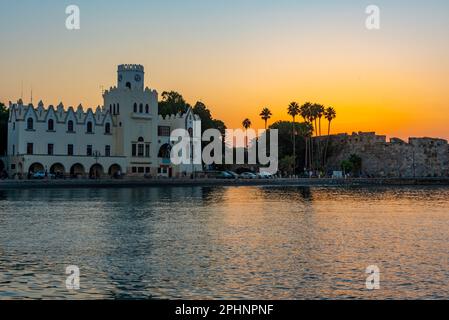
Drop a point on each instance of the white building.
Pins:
(125, 135)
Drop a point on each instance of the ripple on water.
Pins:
(225, 242)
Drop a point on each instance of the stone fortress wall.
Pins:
(419, 157)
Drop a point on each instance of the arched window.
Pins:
(135, 107)
(110, 108)
(107, 128)
(141, 108)
(147, 109)
(113, 109)
(140, 139)
(128, 85)
(50, 125)
(70, 126)
(118, 108)
(30, 124)
(89, 127)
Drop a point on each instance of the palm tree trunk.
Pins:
(316, 164)
(327, 143)
(294, 147)
(306, 164)
(319, 123)
(320, 153)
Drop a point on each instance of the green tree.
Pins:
(320, 110)
(293, 111)
(246, 123)
(285, 139)
(265, 114)
(330, 114)
(286, 163)
(306, 113)
(172, 103)
(346, 166)
(207, 121)
(356, 162)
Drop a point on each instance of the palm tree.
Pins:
(293, 111)
(314, 110)
(265, 115)
(305, 114)
(246, 124)
(330, 114)
(320, 115)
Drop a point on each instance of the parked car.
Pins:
(264, 175)
(38, 175)
(225, 175)
(248, 175)
(235, 175)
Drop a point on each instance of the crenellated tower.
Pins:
(130, 76)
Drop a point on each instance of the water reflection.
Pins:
(224, 242)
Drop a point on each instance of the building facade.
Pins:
(125, 135)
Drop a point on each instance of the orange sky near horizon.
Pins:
(391, 81)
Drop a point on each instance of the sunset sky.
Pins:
(239, 56)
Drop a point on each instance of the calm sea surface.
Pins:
(225, 242)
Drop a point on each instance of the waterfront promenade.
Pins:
(133, 182)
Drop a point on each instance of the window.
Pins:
(141, 108)
(50, 149)
(140, 150)
(163, 131)
(13, 150)
(147, 169)
(118, 108)
(114, 111)
(134, 169)
(147, 150)
(70, 126)
(29, 148)
(89, 127)
(70, 149)
(14, 126)
(30, 124)
(134, 153)
(135, 107)
(141, 169)
(50, 125)
(128, 85)
(107, 151)
(107, 128)
(147, 109)
(89, 150)
(110, 108)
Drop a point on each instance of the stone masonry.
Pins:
(420, 157)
